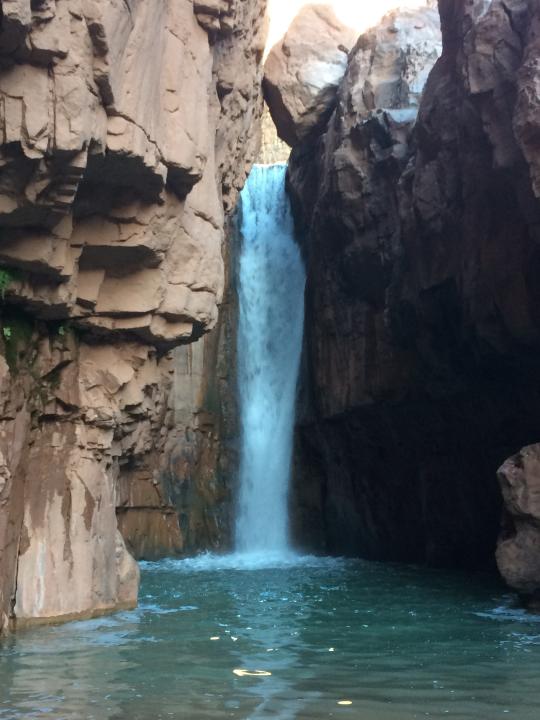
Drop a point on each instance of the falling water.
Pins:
(271, 290)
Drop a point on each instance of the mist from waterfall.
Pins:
(271, 298)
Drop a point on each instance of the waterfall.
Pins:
(271, 296)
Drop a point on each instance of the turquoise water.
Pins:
(396, 642)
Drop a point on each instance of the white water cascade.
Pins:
(271, 295)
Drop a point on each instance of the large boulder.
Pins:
(518, 552)
(304, 70)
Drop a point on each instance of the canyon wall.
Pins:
(417, 207)
(126, 131)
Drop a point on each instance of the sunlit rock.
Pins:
(303, 71)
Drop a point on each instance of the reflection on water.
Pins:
(395, 643)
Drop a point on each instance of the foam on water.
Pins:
(211, 562)
(510, 611)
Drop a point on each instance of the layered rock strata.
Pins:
(126, 130)
(418, 206)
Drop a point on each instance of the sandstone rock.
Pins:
(518, 552)
(65, 516)
(358, 164)
(201, 446)
(117, 102)
(390, 64)
(126, 131)
(302, 73)
(215, 16)
(100, 407)
(16, 20)
(151, 532)
(273, 150)
(239, 95)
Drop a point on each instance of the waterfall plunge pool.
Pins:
(396, 642)
(271, 634)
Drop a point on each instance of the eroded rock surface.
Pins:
(518, 553)
(68, 414)
(126, 130)
(109, 118)
(420, 234)
(303, 71)
(199, 464)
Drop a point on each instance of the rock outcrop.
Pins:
(126, 131)
(518, 553)
(303, 71)
(419, 226)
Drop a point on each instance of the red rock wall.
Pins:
(126, 131)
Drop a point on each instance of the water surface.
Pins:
(397, 642)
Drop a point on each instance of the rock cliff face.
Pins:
(419, 221)
(200, 458)
(126, 130)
